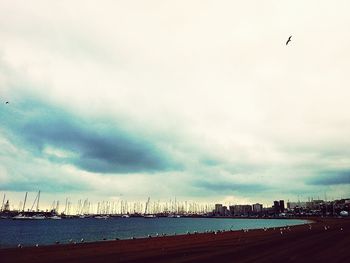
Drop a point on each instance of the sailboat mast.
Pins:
(24, 203)
(3, 202)
(65, 207)
(147, 204)
(31, 209)
(37, 204)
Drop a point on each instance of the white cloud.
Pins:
(212, 83)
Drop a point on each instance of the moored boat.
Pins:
(55, 217)
(22, 217)
(38, 217)
(149, 216)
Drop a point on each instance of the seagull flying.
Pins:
(289, 39)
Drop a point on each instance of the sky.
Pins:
(198, 100)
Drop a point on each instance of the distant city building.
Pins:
(293, 205)
(225, 211)
(314, 204)
(257, 208)
(269, 211)
(282, 208)
(276, 206)
(242, 210)
(218, 209)
(232, 210)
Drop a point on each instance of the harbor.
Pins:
(172, 209)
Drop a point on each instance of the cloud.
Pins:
(331, 178)
(229, 187)
(164, 96)
(91, 145)
(44, 184)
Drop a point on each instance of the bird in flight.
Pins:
(289, 39)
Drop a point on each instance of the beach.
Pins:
(325, 240)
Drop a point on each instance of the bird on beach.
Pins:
(289, 39)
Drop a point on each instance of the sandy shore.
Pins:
(297, 244)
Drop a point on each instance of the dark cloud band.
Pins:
(331, 178)
(93, 145)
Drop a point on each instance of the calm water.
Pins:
(31, 232)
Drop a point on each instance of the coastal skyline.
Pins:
(188, 99)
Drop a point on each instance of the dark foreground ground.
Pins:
(299, 244)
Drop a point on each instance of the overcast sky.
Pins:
(201, 100)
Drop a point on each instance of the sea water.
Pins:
(46, 232)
